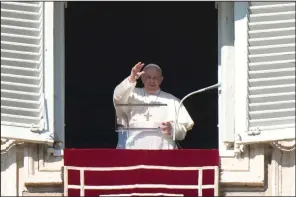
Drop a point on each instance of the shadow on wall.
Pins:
(9, 153)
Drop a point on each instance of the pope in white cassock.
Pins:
(139, 115)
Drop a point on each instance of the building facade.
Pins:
(256, 50)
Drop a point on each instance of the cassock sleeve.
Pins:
(123, 91)
(121, 95)
(184, 123)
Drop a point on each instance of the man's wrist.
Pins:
(132, 79)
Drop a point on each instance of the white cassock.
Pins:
(149, 117)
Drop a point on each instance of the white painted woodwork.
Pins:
(33, 169)
(226, 73)
(265, 71)
(241, 80)
(26, 71)
(248, 170)
(59, 73)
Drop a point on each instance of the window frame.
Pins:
(226, 78)
(59, 72)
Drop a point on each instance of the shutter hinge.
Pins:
(65, 4)
(55, 152)
(56, 149)
(254, 131)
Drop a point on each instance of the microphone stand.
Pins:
(188, 95)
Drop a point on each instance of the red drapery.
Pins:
(99, 172)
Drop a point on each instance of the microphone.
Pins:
(185, 97)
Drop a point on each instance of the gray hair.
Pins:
(153, 66)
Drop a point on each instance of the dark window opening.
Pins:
(105, 39)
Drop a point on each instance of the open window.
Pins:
(27, 71)
(265, 72)
(174, 40)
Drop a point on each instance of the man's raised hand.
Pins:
(136, 72)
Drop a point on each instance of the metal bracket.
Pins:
(56, 150)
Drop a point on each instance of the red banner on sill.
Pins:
(115, 172)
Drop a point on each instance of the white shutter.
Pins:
(23, 109)
(270, 72)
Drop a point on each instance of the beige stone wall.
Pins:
(12, 168)
(9, 173)
(26, 169)
(279, 180)
(279, 168)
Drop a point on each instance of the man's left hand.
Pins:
(166, 128)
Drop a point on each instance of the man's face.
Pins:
(152, 79)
